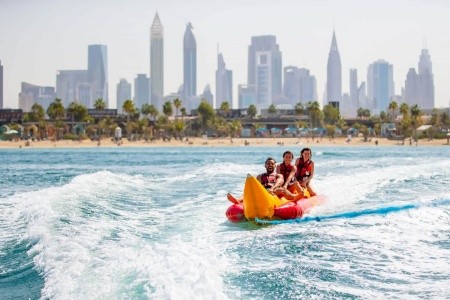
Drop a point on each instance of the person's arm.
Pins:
(279, 182)
(310, 175)
(290, 176)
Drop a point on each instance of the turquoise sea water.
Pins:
(149, 223)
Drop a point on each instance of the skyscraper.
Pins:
(334, 74)
(380, 85)
(141, 90)
(70, 84)
(98, 72)
(30, 94)
(265, 68)
(189, 66)
(123, 93)
(224, 83)
(1, 86)
(419, 87)
(354, 86)
(299, 85)
(157, 62)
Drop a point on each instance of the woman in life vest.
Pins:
(305, 170)
(288, 170)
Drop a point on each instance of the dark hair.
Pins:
(288, 152)
(305, 149)
(269, 158)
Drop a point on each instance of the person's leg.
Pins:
(310, 190)
(233, 199)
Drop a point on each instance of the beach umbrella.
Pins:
(12, 131)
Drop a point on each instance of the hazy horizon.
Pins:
(38, 38)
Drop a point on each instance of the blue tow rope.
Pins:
(353, 214)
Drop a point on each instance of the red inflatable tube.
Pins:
(290, 210)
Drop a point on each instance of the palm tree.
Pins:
(129, 108)
(415, 118)
(299, 109)
(404, 108)
(57, 112)
(225, 109)
(100, 104)
(272, 110)
(251, 111)
(177, 103)
(167, 109)
(393, 105)
(315, 114)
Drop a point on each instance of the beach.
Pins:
(222, 142)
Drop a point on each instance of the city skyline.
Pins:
(365, 33)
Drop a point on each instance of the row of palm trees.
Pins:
(148, 123)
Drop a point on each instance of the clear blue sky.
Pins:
(39, 37)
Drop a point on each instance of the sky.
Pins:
(40, 37)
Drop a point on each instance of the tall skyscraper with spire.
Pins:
(189, 65)
(98, 72)
(419, 87)
(334, 75)
(157, 62)
(224, 83)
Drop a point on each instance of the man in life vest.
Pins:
(305, 170)
(271, 180)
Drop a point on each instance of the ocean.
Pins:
(149, 223)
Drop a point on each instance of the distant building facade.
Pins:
(73, 85)
(334, 75)
(31, 94)
(123, 93)
(419, 87)
(189, 67)
(265, 69)
(299, 86)
(157, 62)
(380, 85)
(246, 95)
(98, 72)
(2, 103)
(224, 83)
(141, 90)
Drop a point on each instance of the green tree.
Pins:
(404, 108)
(225, 109)
(37, 113)
(272, 110)
(177, 103)
(331, 114)
(56, 110)
(299, 109)
(206, 112)
(235, 127)
(167, 109)
(129, 108)
(100, 104)
(315, 114)
(393, 105)
(416, 120)
(76, 111)
(251, 111)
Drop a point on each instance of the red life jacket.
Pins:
(304, 170)
(285, 171)
(268, 180)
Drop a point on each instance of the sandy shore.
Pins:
(289, 143)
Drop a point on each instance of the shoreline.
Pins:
(224, 142)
